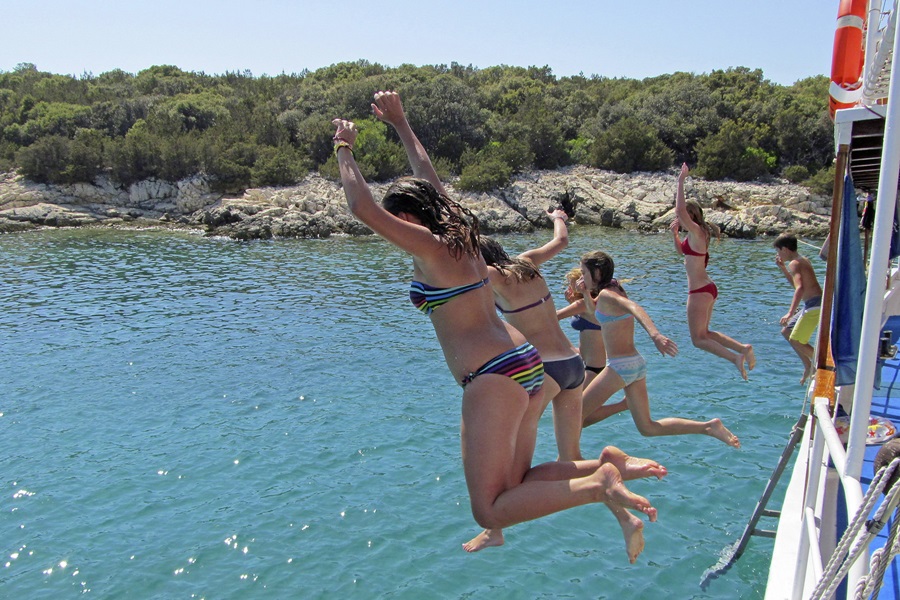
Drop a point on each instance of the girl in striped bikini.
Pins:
(501, 374)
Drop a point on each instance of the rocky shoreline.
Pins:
(315, 207)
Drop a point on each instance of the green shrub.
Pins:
(630, 145)
(277, 166)
(484, 175)
(134, 157)
(795, 173)
(734, 153)
(43, 160)
(822, 182)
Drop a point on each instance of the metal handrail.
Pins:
(810, 550)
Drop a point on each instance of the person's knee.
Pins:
(485, 516)
(698, 338)
(646, 429)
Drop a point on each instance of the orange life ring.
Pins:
(847, 59)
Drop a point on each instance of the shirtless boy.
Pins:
(799, 324)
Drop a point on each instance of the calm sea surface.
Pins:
(184, 417)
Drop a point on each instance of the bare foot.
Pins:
(614, 491)
(807, 373)
(717, 430)
(485, 539)
(739, 363)
(751, 358)
(632, 530)
(631, 467)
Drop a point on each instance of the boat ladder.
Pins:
(731, 554)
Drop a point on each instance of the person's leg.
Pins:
(728, 342)
(799, 340)
(567, 423)
(524, 453)
(492, 413)
(806, 353)
(699, 314)
(630, 468)
(594, 408)
(639, 405)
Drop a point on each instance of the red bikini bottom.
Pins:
(709, 288)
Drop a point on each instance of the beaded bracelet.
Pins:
(338, 144)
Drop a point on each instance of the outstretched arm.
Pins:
(410, 237)
(662, 343)
(559, 242)
(684, 217)
(388, 108)
(579, 307)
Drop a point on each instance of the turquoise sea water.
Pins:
(184, 417)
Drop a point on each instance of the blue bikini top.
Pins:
(603, 318)
(579, 323)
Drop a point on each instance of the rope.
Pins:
(870, 585)
(837, 567)
(819, 248)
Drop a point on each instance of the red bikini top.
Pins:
(688, 251)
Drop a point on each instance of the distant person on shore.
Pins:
(799, 324)
(703, 292)
(625, 367)
(500, 372)
(590, 336)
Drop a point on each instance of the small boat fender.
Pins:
(888, 452)
(848, 56)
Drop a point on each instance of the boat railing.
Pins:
(825, 439)
(882, 23)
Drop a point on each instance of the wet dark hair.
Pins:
(696, 211)
(455, 225)
(602, 268)
(495, 256)
(786, 240)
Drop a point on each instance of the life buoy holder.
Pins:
(848, 57)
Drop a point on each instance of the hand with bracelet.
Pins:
(558, 214)
(345, 136)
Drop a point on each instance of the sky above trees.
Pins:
(788, 40)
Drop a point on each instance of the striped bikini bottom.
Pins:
(521, 364)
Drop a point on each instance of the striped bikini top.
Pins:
(427, 298)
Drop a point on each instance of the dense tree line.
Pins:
(483, 125)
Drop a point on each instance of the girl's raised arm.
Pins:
(681, 211)
(559, 242)
(388, 108)
(410, 237)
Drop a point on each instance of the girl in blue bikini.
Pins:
(625, 367)
(500, 372)
(703, 292)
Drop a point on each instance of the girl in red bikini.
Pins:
(703, 292)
